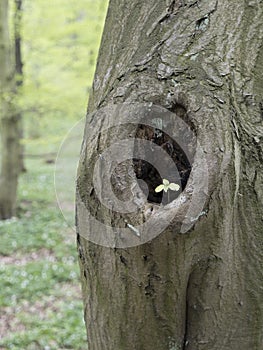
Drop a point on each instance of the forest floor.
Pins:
(40, 298)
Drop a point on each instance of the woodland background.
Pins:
(40, 296)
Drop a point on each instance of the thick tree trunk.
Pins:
(10, 128)
(201, 60)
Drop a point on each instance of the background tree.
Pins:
(202, 290)
(18, 39)
(10, 125)
(19, 68)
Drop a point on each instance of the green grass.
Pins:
(40, 298)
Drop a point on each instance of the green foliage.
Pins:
(39, 271)
(166, 185)
(59, 330)
(36, 279)
(60, 46)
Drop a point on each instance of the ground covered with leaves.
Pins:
(40, 298)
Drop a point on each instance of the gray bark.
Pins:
(9, 120)
(203, 289)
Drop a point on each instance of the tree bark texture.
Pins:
(10, 125)
(202, 290)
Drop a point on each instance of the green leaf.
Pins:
(166, 182)
(159, 188)
(174, 187)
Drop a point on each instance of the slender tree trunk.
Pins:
(10, 130)
(201, 290)
(19, 70)
(18, 52)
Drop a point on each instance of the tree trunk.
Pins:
(10, 130)
(19, 71)
(197, 285)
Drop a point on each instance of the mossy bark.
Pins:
(201, 290)
(9, 120)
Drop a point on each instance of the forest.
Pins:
(131, 176)
(40, 296)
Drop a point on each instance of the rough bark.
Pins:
(202, 289)
(10, 130)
